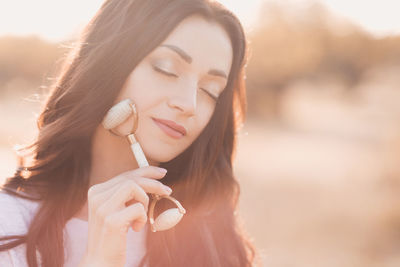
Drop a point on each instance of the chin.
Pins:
(160, 158)
(161, 155)
(161, 150)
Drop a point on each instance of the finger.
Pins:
(125, 192)
(148, 171)
(134, 215)
(149, 186)
(152, 186)
(96, 200)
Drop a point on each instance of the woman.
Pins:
(83, 199)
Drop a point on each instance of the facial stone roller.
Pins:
(118, 114)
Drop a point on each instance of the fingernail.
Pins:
(168, 189)
(162, 170)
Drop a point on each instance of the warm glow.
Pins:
(379, 17)
(59, 20)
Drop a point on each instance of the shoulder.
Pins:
(16, 213)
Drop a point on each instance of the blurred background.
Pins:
(319, 155)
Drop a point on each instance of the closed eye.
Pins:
(176, 76)
(209, 94)
(165, 72)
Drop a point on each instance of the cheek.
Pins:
(203, 118)
(141, 89)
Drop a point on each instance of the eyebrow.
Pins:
(189, 60)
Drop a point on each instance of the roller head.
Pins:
(167, 220)
(119, 113)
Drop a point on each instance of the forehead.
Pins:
(206, 42)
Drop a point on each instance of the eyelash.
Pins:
(165, 72)
(211, 95)
(176, 76)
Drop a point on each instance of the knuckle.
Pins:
(131, 187)
(137, 193)
(141, 208)
(92, 191)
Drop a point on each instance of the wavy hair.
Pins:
(117, 38)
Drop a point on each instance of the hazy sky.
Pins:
(59, 19)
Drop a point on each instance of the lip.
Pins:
(171, 128)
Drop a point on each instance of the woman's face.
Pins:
(176, 85)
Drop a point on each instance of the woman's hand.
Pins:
(116, 205)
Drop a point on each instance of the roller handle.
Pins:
(139, 155)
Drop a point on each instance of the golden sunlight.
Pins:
(60, 20)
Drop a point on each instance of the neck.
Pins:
(111, 156)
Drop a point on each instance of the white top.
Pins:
(15, 217)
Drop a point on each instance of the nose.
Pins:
(185, 99)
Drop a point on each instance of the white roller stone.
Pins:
(167, 219)
(117, 114)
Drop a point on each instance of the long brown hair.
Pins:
(119, 36)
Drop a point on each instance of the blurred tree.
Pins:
(27, 58)
(289, 43)
(297, 42)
